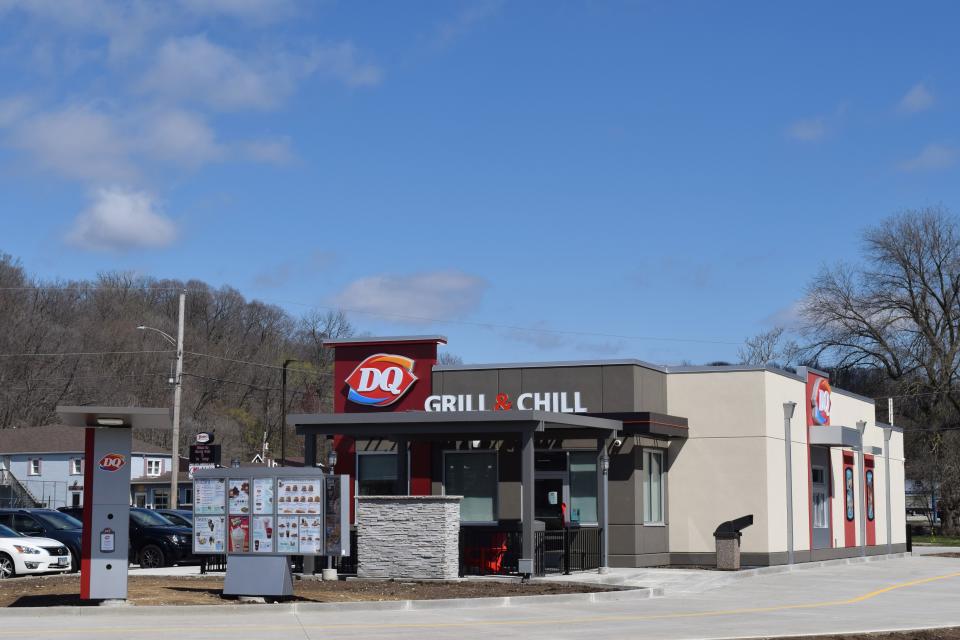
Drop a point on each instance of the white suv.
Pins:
(21, 555)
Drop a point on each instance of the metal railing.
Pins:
(567, 550)
(495, 551)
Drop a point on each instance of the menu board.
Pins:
(299, 495)
(208, 534)
(287, 534)
(239, 538)
(239, 497)
(311, 534)
(261, 534)
(209, 496)
(262, 496)
(260, 514)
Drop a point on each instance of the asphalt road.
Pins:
(893, 594)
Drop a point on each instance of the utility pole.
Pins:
(887, 434)
(177, 392)
(283, 413)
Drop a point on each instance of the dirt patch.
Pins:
(950, 633)
(158, 590)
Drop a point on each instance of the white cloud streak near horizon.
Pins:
(120, 220)
(414, 299)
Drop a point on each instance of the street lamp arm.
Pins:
(166, 335)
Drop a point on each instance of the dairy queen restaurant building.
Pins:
(616, 463)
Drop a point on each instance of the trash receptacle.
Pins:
(727, 538)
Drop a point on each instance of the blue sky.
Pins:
(661, 180)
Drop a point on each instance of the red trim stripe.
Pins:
(87, 540)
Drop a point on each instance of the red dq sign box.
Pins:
(112, 462)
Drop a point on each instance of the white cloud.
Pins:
(808, 130)
(917, 99)
(121, 219)
(13, 109)
(268, 150)
(77, 142)
(931, 158)
(414, 298)
(341, 61)
(179, 137)
(195, 69)
(249, 10)
(463, 22)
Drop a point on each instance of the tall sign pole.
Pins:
(177, 392)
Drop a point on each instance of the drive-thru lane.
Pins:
(895, 594)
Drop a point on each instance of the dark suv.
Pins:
(154, 540)
(47, 523)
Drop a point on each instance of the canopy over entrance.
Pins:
(467, 425)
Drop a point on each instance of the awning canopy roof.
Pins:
(454, 424)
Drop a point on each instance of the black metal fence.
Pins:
(492, 551)
(566, 550)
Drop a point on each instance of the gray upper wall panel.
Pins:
(614, 388)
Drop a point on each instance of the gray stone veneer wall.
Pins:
(408, 537)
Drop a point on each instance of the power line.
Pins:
(64, 354)
(258, 364)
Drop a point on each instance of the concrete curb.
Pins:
(332, 607)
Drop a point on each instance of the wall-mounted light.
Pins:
(110, 422)
(475, 444)
(332, 459)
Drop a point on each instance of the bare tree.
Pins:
(769, 347)
(900, 312)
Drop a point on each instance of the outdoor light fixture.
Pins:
(475, 444)
(110, 422)
(788, 408)
(332, 459)
(605, 464)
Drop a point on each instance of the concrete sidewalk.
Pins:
(911, 592)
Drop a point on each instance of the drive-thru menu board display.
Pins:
(271, 511)
(208, 496)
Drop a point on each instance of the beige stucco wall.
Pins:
(734, 461)
(719, 472)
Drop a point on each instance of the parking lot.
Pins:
(913, 592)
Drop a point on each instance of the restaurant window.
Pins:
(472, 475)
(376, 474)
(652, 486)
(848, 484)
(187, 496)
(161, 499)
(76, 466)
(34, 468)
(583, 486)
(153, 467)
(820, 503)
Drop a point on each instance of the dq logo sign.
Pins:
(380, 380)
(820, 401)
(112, 462)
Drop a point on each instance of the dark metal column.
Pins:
(310, 450)
(403, 468)
(527, 462)
(603, 468)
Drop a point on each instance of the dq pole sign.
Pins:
(106, 493)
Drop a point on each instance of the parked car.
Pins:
(154, 540)
(182, 517)
(47, 523)
(23, 555)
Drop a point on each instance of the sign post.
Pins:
(106, 493)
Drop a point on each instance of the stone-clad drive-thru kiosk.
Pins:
(106, 493)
